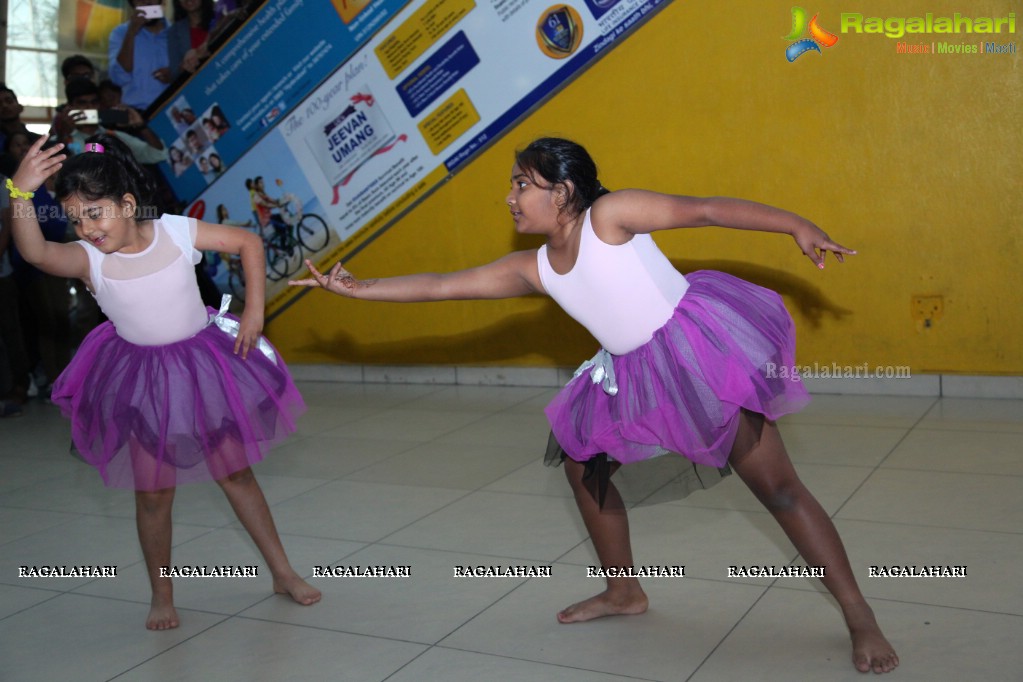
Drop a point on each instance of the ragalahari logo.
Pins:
(800, 27)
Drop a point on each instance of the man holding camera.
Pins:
(139, 61)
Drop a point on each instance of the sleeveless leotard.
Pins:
(621, 294)
(684, 355)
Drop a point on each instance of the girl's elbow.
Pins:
(34, 259)
(716, 211)
(254, 242)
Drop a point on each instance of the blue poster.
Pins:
(270, 65)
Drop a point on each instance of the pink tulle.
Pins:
(728, 346)
(152, 417)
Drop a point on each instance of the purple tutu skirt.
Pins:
(152, 417)
(722, 351)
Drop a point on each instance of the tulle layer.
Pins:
(151, 417)
(727, 347)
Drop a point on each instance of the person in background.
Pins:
(222, 9)
(44, 300)
(187, 41)
(77, 66)
(138, 57)
(84, 95)
(14, 381)
(10, 122)
(111, 95)
(228, 15)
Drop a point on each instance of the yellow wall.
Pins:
(914, 160)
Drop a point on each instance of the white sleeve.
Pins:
(183, 231)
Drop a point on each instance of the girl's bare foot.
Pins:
(626, 602)
(871, 650)
(298, 589)
(162, 615)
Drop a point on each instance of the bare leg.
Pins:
(769, 473)
(249, 504)
(153, 518)
(609, 531)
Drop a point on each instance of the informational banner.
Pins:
(269, 66)
(403, 97)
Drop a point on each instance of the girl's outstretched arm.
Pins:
(632, 211)
(62, 260)
(249, 247)
(513, 275)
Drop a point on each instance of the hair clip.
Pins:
(94, 147)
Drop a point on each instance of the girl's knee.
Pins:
(237, 477)
(575, 473)
(573, 470)
(154, 500)
(781, 496)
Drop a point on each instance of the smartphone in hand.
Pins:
(114, 118)
(151, 11)
(84, 117)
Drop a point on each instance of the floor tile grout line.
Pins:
(528, 660)
(917, 428)
(409, 662)
(53, 595)
(959, 529)
(952, 473)
(728, 634)
(483, 555)
(321, 628)
(890, 600)
(240, 613)
(880, 463)
(383, 540)
(475, 615)
(170, 648)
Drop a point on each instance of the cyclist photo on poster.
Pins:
(266, 192)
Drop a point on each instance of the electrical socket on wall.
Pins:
(926, 310)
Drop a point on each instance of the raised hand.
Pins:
(137, 21)
(38, 165)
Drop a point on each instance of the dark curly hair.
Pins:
(558, 160)
(109, 174)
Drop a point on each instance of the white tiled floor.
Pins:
(440, 476)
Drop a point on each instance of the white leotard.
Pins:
(151, 297)
(621, 294)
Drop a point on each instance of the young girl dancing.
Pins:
(684, 366)
(160, 395)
